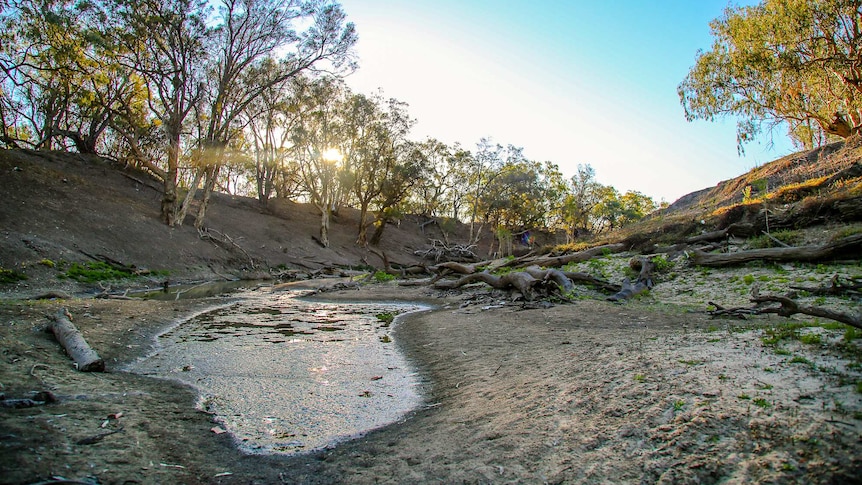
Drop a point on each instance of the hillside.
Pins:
(68, 208)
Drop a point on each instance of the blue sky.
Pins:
(571, 82)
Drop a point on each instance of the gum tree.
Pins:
(793, 62)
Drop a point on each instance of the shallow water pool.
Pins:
(284, 375)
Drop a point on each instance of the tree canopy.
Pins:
(248, 97)
(793, 62)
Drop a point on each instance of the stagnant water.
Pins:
(285, 375)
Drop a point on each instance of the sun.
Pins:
(332, 155)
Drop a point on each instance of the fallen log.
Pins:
(86, 359)
(847, 245)
(585, 255)
(521, 281)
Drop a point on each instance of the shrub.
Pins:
(382, 276)
(10, 276)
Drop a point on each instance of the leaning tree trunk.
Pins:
(209, 185)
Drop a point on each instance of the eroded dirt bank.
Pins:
(587, 392)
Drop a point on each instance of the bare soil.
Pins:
(649, 391)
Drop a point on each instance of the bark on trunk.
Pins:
(86, 359)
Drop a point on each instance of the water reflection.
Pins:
(285, 375)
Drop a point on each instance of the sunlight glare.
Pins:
(332, 155)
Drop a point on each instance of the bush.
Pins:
(382, 276)
(8, 276)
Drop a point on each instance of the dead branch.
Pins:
(789, 307)
(847, 245)
(441, 251)
(837, 287)
(563, 283)
(86, 359)
(224, 239)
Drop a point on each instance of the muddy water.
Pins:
(285, 375)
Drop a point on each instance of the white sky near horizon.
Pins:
(571, 82)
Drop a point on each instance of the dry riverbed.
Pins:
(584, 392)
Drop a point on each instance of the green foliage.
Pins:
(639, 377)
(762, 403)
(762, 69)
(8, 276)
(387, 318)
(788, 237)
(95, 271)
(382, 276)
(47, 263)
(662, 264)
(678, 405)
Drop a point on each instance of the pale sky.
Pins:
(579, 81)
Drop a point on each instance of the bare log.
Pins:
(459, 268)
(585, 255)
(86, 359)
(847, 245)
(578, 277)
(563, 283)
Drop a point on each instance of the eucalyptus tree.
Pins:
(164, 42)
(581, 197)
(482, 168)
(252, 32)
(402, 173)
(270, 121)
(378, 161)
(60, 80)
(797, 62)
(315, 138)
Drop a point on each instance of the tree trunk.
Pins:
(86, 359)
(378, 231)
(212, 173)
(324, 226)
(362, 236)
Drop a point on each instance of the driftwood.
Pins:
(740, 229)
(787, 308)
(39, 399)
(223, 239)
(847, 245)
(521, 281)
(86, 359)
